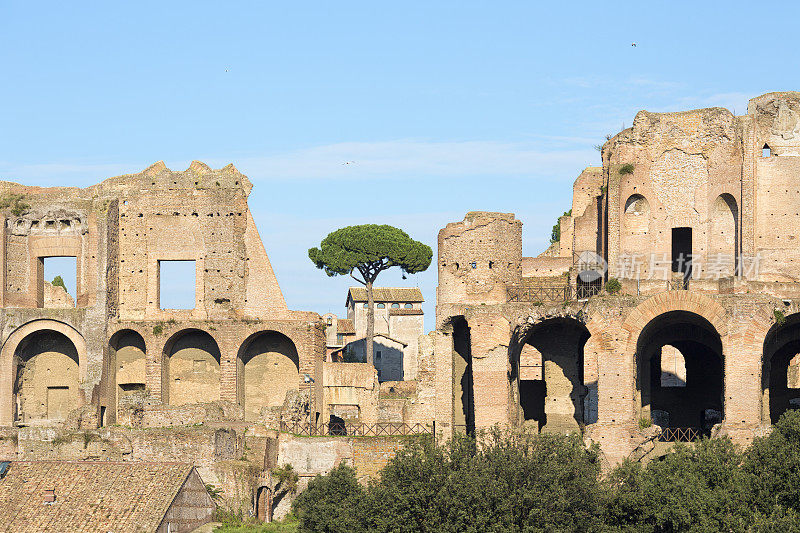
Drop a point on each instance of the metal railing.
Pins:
(678, 284)
(587, 291)
(679, 435)
(540, 293)
(354, 429)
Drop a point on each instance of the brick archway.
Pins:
(10, 348)
(665, 302)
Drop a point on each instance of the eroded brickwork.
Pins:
(717, 187)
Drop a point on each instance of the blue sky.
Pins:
(444, 107)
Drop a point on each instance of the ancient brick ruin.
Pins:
(694, 214)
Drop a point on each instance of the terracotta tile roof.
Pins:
(396, 312)
(89, 496)
(345, 326)
(386, 294)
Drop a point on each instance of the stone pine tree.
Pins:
(368, 250)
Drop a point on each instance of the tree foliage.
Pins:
(522, 482)
(555, 233)
(58, 281)
(370, 249)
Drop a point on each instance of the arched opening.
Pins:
(637, 215)
(766, 151)
(551, 380)
(192, 363)
(46, 378)
(780, 375)
(723, 237)
(129, 361)
(268, 368)
(463, 393)
(673, 367)
(675, 341)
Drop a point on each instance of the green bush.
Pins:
(331, 503)
(627, 168)
(509, 482)
(58, 281)
(613, 286)
(555, 233)
(515, 482)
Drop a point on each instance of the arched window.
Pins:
(766, 151)
(673, 367)
(381, 306)
(723, 237)
(395, 306)
(365, 305)
(637, 214)
(409, 306)
(793, 373)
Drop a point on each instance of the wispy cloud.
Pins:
(371, 160)
(543, 157)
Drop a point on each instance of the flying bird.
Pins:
(633, 44)
(349, 163)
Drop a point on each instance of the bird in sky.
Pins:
(633, 44)
(349, 163)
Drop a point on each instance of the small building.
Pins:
(388, 356)
(338, 333)
(98, 496)
(398, 317)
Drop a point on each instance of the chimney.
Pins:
(49, 496)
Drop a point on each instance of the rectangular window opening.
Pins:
(59, 282)
(176, 284)
(682, 251)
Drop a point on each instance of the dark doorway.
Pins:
(697, 405)
(463, 394)
(682, 251)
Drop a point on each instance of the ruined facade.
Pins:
(668, 309)
(694, 216)
(231, 384)
(118, 353)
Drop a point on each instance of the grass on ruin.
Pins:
(234, 524)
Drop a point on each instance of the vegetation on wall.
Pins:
(613, 286)
(627, 168)
(14, 203)
(555, 234)
(519, 482)
(58, 281)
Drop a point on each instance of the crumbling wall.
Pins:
(477, 259)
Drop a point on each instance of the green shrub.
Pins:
(58, 281)
(780, 318)
(331, 503)
(555, 233)
(14, 203)
(627, 168)
(613, 286)
(645, 423)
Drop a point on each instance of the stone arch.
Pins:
(18, 340)
(190, 368)
(781, 348)
(268, 368)
(723, 236)
(698, 405)
(128, 364)
(689, 301)
(457, 328)
(636, 215)
(548, 364)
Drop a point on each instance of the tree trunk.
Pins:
(369, 340)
